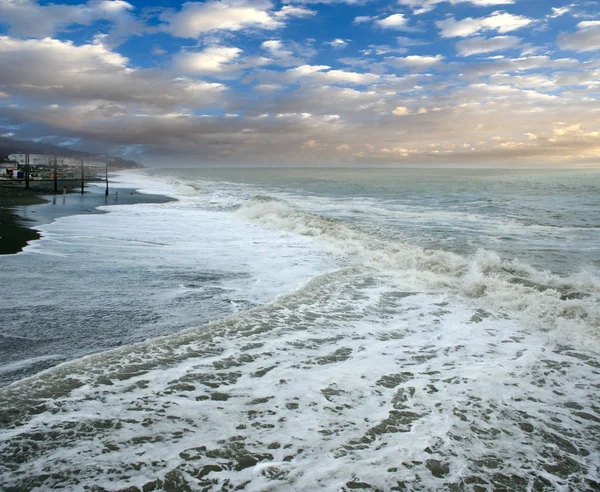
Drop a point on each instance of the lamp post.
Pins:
(106, 192)
(82, 182)
(27, 170)
(55, 175)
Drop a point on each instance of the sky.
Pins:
(307, 82)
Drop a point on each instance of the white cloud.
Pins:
(401, 111)
(320, 74)
(506, 91)
(349, 2)
(196, 19)
(305, 70)
(362, 19)
(506, 65)
(49, 69)
(478, 45)
(586, 24)
(501, 22)
(277, 50)
(287, 53)
(343, 77)
(394, 21)
(535, 81)
(587, 38)
(559, 11)
(291, 11)
(268, 87)
(27, 18)
(405, 41)
(212, 60)
(422, 6)
(337, 43)
(415, 61)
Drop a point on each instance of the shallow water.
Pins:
(390, 330)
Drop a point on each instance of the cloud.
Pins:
(587, 37)
(401, 111)
(559, 11)
(249, 99)
(405, 41)
(277, 50)
(320, 74)
(394, 21)
(506, 91)
(414, 61)
(344, 77)
(422, 6)
(337, 43)
(478, 45)
(292, 11)
(539, 82)
(501, 22)
(348, 2)
(286, 53)
(212, 60)
(196, 19)
(65, 73)
(304, 71)
(506, 65)
(29, 19)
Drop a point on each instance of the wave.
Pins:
(343, 381)
(567, 306)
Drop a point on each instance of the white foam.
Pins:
(16, 366)
(348, 381)
(400, 366)
(509, 287)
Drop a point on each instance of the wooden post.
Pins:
(27, 171)
(106, 192)
(82, 182)
(55, 175)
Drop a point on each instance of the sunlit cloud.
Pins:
(262, 81)
(196, 19)
(500, 22)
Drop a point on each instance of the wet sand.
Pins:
(21, 210)
(14, 230)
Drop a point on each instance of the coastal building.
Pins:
(7, 168)
(46, 160)
(34, 159)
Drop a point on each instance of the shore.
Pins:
(21, 210)
(14, 232)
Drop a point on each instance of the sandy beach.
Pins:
(21, 210)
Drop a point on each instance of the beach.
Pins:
(21, 210)
(308, 330)
(15, 233)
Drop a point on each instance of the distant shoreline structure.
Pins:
(10, 147)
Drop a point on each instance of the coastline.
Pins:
(21, 210)
(15, 232)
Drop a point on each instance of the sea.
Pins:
(303, 329)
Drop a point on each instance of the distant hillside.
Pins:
(9, 146)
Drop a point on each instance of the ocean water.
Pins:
(309, 329)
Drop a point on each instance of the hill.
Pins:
(9, 146)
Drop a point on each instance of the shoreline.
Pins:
(21, 210)
(15, 233)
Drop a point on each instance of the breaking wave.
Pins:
(568, 307)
